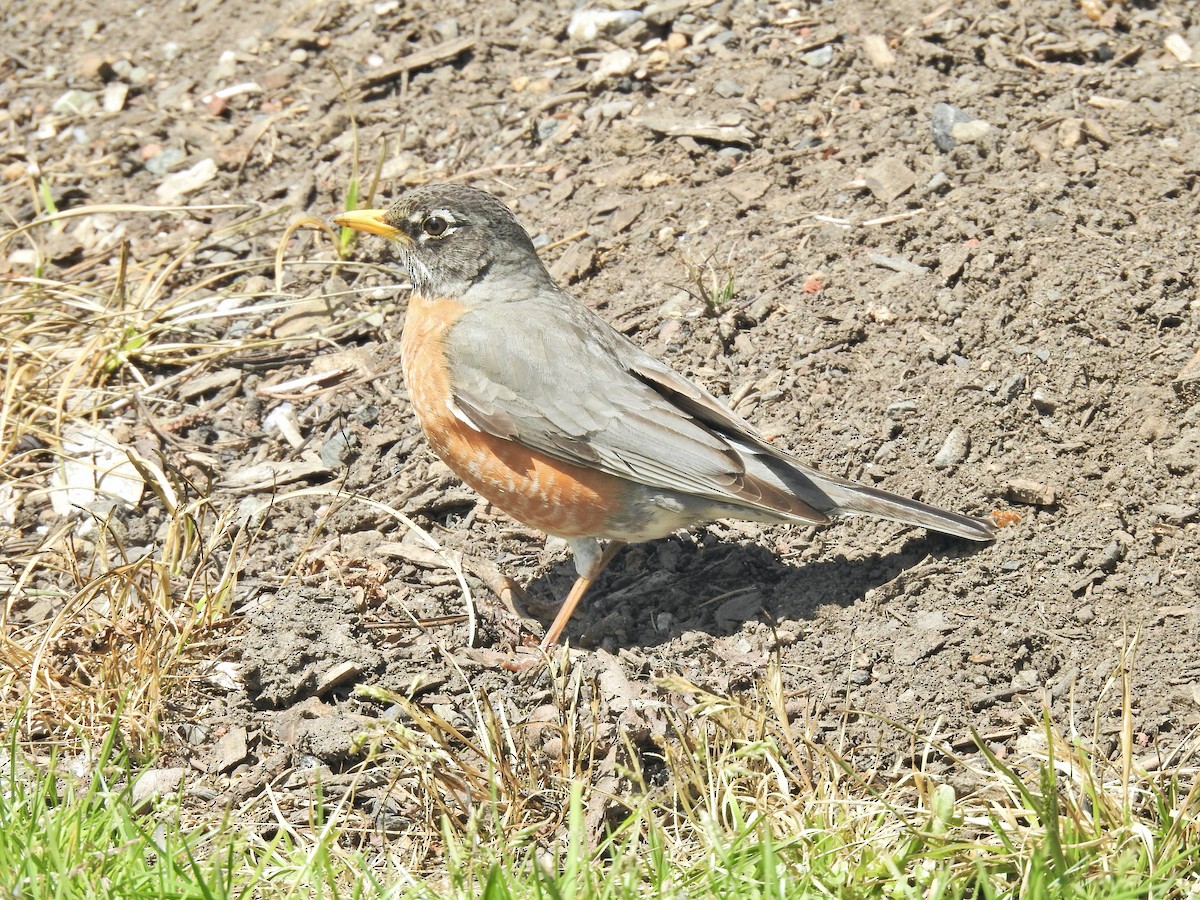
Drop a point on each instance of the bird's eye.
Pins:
(435, 226)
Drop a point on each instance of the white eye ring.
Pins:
(436, 223)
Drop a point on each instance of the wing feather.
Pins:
(583, 393)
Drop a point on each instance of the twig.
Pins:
(419, 60)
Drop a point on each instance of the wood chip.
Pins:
(211, 381)
(229, 752)
(1179, 47)
(576, 262)
(272, 473)
(1032, 493)
(701, 129)
(888, 179)
(745, 189)
(421, 59)
(339, 674)
(878, 51)
(626, 215)
(417, 555)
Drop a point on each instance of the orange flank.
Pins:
(546, 493)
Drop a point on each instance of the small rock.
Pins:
(888, 179)
(1085, 615)
(447, 29)
(175, 187)
(676, 41)
(860, 677)
(1179, 47)
(226, 67)
(954, 449)
(1026, 680)
(878, 51)
(614, 65)
(154, 783)
(743, 608)
(588, 24)
(728, 88)
(114, 97)
(1011, 387)
(337, 450)
(76, 103)
(159, 161)
(338, 674)
(229, 751)
(1184, 455)
(665, 11)
(1175, 513)
(970, 132)
(1043, 402)
(818, 58)
(950, 125)
(1032, 493)
(901, 408)
(94, 66)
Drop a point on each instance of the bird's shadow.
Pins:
(653, 592)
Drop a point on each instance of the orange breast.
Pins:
(546, 493)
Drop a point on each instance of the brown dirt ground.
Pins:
(1031, 290)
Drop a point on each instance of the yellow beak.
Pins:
(371, 221)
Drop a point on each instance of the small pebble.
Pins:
(76, 103)
(160, 161)
(818, 58)
(588, 24)
(953, 450)
(336, 451)
(943, 118)
(226, 65)
(728, 88)
(447, 29)
(614, 64)
(1152, 428)
(1043, 402)
(114, 97)
(175, 187)
(1032, 493)
(1011, 387)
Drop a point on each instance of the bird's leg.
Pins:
(589, 564)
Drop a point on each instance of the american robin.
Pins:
(568, 426)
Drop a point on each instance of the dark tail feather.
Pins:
(852, 499)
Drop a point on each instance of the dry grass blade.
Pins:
(96, 624)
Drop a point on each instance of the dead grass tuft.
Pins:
(96, 624)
